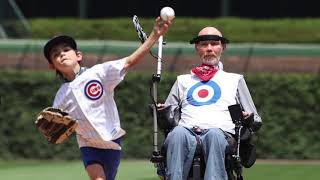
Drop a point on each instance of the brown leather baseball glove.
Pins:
(55, 124)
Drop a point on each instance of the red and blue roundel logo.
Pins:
(204, 93)
(93, 90)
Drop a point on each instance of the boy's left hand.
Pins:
(55, 124)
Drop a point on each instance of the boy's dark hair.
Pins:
(62, 39)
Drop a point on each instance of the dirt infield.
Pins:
(179, 64)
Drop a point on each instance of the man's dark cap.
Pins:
(62, 39)
(209, 38)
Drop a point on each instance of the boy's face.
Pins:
(64, 58)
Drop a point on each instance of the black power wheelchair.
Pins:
(240, 152)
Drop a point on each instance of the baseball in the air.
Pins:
(167, 13)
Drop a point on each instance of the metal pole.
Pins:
(20, 16)
(82, 9)
(225, 7)
(155, 120)
(3, 34)
(156, 78)
(160, 43)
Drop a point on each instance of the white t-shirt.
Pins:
(89, 98)
(205, 104)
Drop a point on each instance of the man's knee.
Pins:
(214, 136)
(177, 133)
(180, 137)
(215, 133)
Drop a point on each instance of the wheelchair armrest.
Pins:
(168, 117)
(256, 126)
(249, 122)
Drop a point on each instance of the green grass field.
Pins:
(144, 170)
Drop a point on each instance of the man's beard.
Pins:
(211, 61)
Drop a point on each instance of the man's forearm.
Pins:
(245, 100)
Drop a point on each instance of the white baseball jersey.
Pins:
(89, 98)
(205, 104)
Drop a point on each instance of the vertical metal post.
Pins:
(155, 120)
(155, 79)
(225, 7)
(83, 9)
(160, 43)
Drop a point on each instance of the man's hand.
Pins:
(248, 118)
(246, 115)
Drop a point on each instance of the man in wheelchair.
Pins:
(196, 114)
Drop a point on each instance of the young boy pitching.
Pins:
(87, 94)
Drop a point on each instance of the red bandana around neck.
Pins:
(204, 72)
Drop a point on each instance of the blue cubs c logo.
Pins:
(93, 90)
(204, 93)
